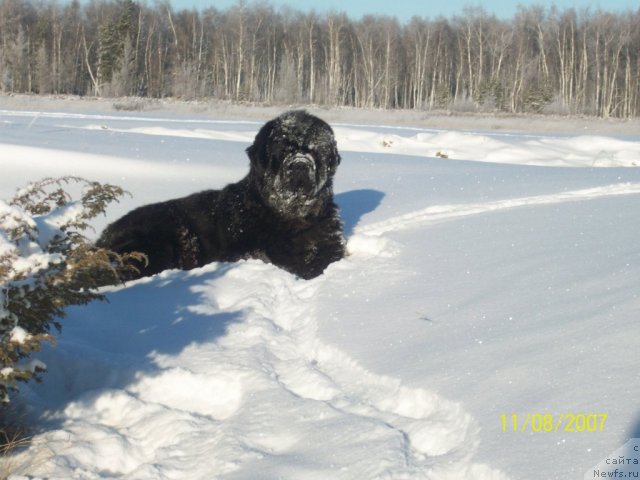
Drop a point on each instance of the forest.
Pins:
(542, 60)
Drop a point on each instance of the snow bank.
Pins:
(580, 151)
(267, 398)
(496, 147)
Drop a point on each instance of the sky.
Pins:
(405, 9)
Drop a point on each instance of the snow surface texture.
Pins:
(476, 286)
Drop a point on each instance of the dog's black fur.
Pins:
(282, 212)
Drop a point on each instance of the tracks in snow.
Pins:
(268, 399)
(370, 426)
(438, 213)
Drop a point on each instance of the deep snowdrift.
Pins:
(502, 280)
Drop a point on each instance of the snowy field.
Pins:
(500, 280)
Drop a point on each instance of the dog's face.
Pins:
(293, 160)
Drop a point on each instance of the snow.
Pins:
(24, 242)
(579, 151)
(499, 281)
(18, 335)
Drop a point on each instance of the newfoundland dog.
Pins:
(282, 212)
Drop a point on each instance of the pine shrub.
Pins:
(47, 264)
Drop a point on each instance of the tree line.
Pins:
(541, 60)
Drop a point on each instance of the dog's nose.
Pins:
(298, 168)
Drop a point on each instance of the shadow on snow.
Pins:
(355, 204)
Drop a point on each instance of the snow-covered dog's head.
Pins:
(293, 160)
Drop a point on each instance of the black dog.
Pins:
(282, 212)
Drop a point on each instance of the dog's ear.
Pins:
(252, 153)
(257, 152)
(256, 155)
(334, 158)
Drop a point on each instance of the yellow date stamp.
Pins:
(549, 422)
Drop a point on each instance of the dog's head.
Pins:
(293, 160)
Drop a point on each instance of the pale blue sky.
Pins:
(405, 9)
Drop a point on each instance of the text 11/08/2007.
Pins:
(548, 422)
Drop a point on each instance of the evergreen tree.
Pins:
(47, 264)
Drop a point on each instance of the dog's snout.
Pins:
(300, 163)
(298, 167)
(299, 174)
